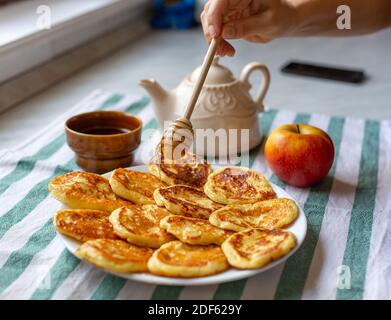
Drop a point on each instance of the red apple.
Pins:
(299, 154)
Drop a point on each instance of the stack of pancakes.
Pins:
(177, 221)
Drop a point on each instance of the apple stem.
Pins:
(298, 128)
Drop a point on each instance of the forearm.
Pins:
(319, 17)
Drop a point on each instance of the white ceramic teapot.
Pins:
(224, 104)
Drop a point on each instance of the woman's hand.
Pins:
(252, 20)
(265, 20)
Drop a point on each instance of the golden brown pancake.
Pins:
(115, 255)
(188, 169)
(186, 201)
(194, 231)
(140, 225)
(254, 248)
(268, 214)
(177, 259)
(238, 185)
(135, 186)
(84, 190)
(84, 224)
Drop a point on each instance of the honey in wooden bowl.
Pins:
(103, 140)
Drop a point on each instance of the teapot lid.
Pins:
(217, 74)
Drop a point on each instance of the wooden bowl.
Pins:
(103, 140)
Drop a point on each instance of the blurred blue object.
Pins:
(178, 14)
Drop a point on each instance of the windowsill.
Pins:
(24, 46)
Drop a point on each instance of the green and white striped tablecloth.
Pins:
(346, 254)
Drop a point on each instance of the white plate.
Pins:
(299, 228)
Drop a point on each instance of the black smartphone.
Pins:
(324, 72)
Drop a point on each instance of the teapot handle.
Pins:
(244, 78)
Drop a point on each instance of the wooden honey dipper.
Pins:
(183, 125)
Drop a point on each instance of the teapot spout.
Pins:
(163, 101)
(154, 89)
